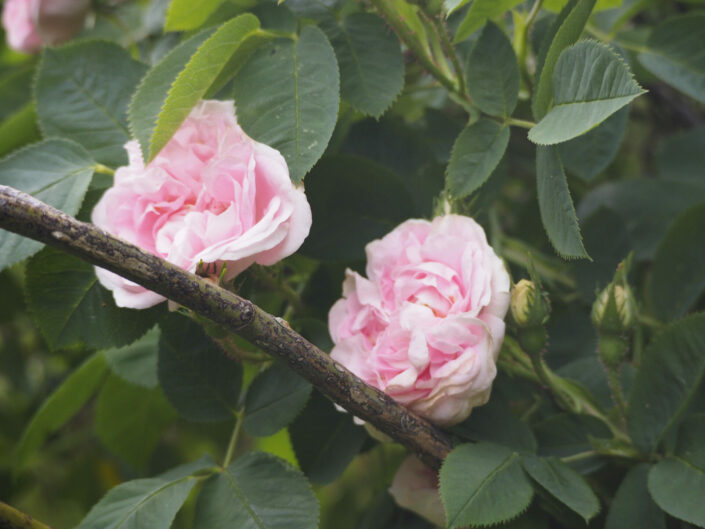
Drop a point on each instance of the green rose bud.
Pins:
(530, 307)
(614, 310)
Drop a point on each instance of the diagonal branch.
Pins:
(11, 518)
(25, 215)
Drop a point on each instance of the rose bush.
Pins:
(212, 195)
(427, 324)
(31, 24)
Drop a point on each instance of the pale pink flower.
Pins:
(212, 195)
(427, 325)
(415, 488)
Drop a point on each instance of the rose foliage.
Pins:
(387, 178)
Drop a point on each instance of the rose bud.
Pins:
(427, 323)
(211, 195)
(530, 307)
(614, 310)
(415, 488)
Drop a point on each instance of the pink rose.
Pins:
(213, 194)
(427, 326)
(415, 487)
(31, 24)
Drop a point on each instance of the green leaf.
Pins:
(672, 367)
(325, 440)
(476, 153)
(130, 419)
(257, 491)
(80, 97)
(590, 83)
(677, 487)
(370, 60)
(274, 399)
(632, 505)
(678, 272)
(346, 216)
(199, 380)
(69, 305)
(151, 94)
(19, 129)
(61, 405)
(287, 97)
(564, 483)
(199, 73)
(556, 205)
(588, 155)
(56, 172)
(492, 72)
(483, 484)
(15, 88)
(689, 443)
(148, 503)
(676, 54)
(184, 15)
(565, 31)
(137, 362)
(479, 13)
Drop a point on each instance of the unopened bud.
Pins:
(614, 310)
(530, 307)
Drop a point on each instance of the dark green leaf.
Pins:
(15, 89)
(556, 205)
(274, 399)
(325, 440)
(672, 366)
(676, 54)
(677, 487)
(564, 483)
(483, 484)
(565, 31)
(632, 505)
(80, 98)
(137, 362)
(679, 157)
(689, 443)
(370, 60)
(56, 172)
(480, 12)
(678, 273)
(130, 419)
(346, 215)
(493, 73)
(61, 405)
(476, 153)
(287, 97)
(199, 380)
(564, 435)
(257, 491)
(69, 305)
(187, 14)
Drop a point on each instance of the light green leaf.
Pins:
(287, 97)
(184, 15)
(56, 172)
(564, 483)
(632, 505)
(370, 60)
(565, 31)
(483, 484)
(673, 365)
(148, 503)
(80, 98)
(556, 205)
(137, 362)
(493, 72)
(69, 305)
(199, 380)
(199, 73)
(19, 129)
(590, 83)
(677, 54)
(274, 399)
(257, 491)
(61, 405)
(678, 272)
(130, 419)
(476, 153)
(479, 13)
(677, 487)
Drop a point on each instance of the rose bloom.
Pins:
(212, 195)
(415, 487)
(427, 325)
(31, 24)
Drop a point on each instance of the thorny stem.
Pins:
(442, 31)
